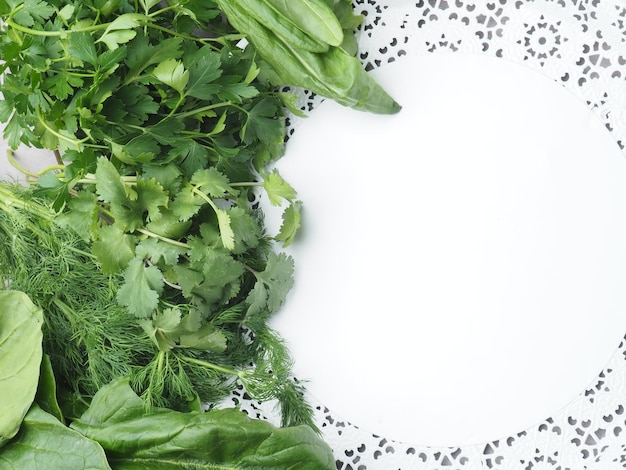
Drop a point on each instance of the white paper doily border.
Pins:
(580, 44)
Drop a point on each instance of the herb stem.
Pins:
(162, 238)
(208, 200)
(17, 166)
(60, 33)
(82, 252)
(34, 32)
(210, 107)
(210, 365)
(89, 178)
(51, 168)
(7, 200)
(76, 143)
(182, 35)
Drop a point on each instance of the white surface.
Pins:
(460, 275)
(30, 159)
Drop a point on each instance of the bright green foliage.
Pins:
(46, 396)
(141, 245)
(163, 439)
(291, 223)
(135, 84)
(305, 44)
(176, 319)
(20, 357)
(45, 442)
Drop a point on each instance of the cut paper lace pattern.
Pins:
(580, 44)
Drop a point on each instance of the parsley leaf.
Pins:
(204, 69)
(81, 47)
(33, 12)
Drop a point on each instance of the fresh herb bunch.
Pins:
(163, 127)
(178, 355)
(134, 82)
(163, 132)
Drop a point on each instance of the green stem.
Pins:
(210, 107)
(208, 200)
(89, 178)
(8, 200)
(160, 361)
(76, 143)
(210, 365)
(181, 100)
(51, 168)
(39, 32)
(17, 166)
(162, 238)
(184, 36)
(82, 252)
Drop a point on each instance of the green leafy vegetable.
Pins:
(45, 442)
(141, 245)
(197, 341)
(332, 71)
(46, 396)
(166, 439)
(20, 359)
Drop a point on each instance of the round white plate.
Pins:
(460, 271)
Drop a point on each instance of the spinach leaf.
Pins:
(20, 357)
(333, 73)
(44, 442)
(46, 396)
(164, 439)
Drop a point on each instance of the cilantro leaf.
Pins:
(114, 248)
(277, 188)
(110, 60)
(82, 214)
(247, 232)
(141, 289)
(226, 231)
(33, 11)
(137, 103)
(212, 182)
(190, 156)
(109, 185)
(186, 204)
(59, 86)
(208, 338)
(142, 54)
(157, 251)
(272, 285)
(5, 110)
(151, 197)
(290, 223)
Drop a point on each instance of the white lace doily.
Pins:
(580, 44)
